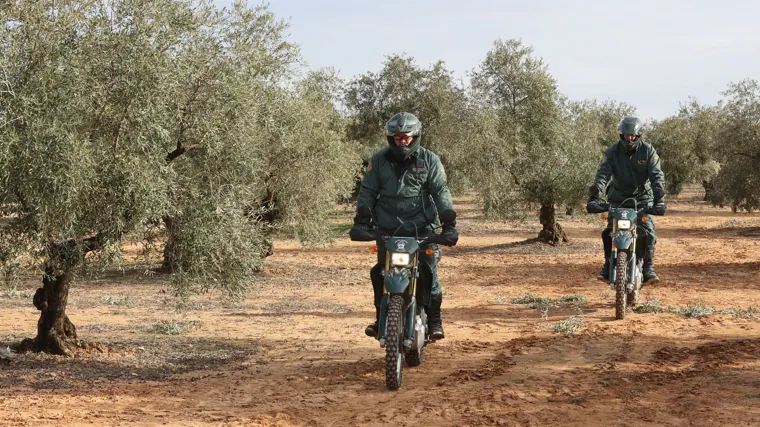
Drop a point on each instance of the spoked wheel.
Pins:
(393, 343)
(621, 278)
(633, 296)
(415, 357)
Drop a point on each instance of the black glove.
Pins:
(361, 233)
(595, 206)
(449, 235)
(362, 229)
(659, 208)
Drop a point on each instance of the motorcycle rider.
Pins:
(403, 189)
(634, 168)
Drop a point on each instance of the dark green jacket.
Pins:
(629, 172)
(409, 192)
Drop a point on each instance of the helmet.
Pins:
(630, 126)
(409, 125)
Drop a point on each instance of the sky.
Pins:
(650, 54)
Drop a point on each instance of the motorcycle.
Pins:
(402, 321)
(626, 258)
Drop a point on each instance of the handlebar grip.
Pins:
(596, 207)
(364, 235)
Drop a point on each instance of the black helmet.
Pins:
(630, 126)
(408, 125)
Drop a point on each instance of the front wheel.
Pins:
(621, 279)
(393, 342)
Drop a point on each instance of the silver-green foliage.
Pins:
(116, 115)
(531, 149)
(606, 116)
(738, 183)
(568, 326)
(543, 304)
(308, 163)
(174, 327)
(687, 143)
(431, 94)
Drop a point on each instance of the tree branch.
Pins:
(186, 110)
(749, 156)
(180, 150)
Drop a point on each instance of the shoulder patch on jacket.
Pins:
(656, 157)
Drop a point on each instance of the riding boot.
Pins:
(435, 326)
(376, 276)
(650, 277)
(371, 330)
(604, 273)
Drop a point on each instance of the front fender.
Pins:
(622, 240)
(396, 283)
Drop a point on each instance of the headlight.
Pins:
(399, 259)
(624, 224)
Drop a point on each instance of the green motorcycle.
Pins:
(626, 259)
(402, 321)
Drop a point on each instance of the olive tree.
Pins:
(737, 184)
(532, 151)
(116, 116)
(686, 142)
(607, 115)
(431, 94)
(308, 164)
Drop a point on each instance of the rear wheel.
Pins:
(415, 357)
(633, 296)
(393, 343)
(621, 278)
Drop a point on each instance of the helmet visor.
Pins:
(630, 141)
(403, 138)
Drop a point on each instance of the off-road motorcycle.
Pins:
(627, 255)
(402, 320)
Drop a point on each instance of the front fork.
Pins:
(410, 310)
(628, 244)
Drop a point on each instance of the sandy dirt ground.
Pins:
(294, 352)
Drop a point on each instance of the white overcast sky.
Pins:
(651, 54)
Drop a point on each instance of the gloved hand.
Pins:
(659, 207)
(449, 234)
(362, 229)
(595, 206)
(360, 233)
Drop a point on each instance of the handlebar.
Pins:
(597, 207)
(365, 235)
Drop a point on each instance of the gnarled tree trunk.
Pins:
(709, 187)
(552, 231)
(55, 332)
(167, 266)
